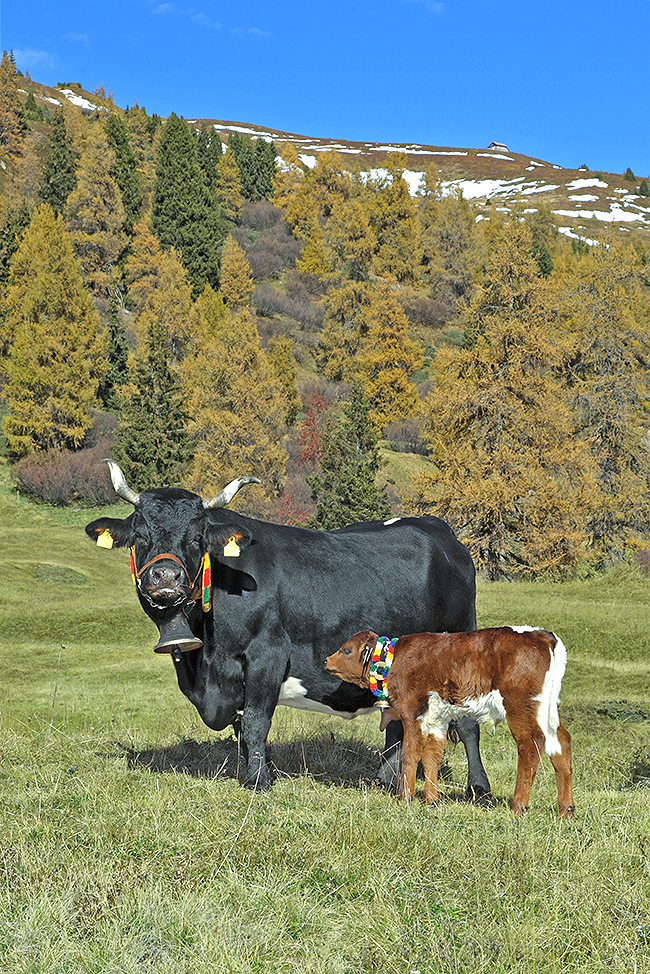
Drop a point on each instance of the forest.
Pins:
(200, 310)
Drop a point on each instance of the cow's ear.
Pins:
(111, 531)
(227, 539)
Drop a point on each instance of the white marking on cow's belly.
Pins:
(439, 714)
(293, 693)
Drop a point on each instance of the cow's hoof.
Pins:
(261, 780)
(480, 794)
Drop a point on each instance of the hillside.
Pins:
(584, 201)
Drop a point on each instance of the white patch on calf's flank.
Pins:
(548, 716)
(293, 693)
(439, 713)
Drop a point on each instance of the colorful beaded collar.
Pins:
(380, 665)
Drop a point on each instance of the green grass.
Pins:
(128, 845)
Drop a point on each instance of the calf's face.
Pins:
(351, 661)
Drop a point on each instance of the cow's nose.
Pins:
(166, 574)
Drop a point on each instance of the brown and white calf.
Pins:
(510, 673)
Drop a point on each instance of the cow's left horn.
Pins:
(120, 485)
(227, 494)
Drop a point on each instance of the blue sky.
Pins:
(566, 80)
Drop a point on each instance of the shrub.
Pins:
(259, 216)
(405, 436)
(303, 286)
(268, 302)
(62, 477)
(428, 311)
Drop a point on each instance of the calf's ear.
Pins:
(110, 532)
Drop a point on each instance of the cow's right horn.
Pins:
(120, 485)
(227, 494)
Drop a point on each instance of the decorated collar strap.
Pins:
(380, 665)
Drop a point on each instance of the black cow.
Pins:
(282, 600)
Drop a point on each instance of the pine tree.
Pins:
(32, 110)
(506, 470)
(243, 152)
(236, 277)
(284, 365)
(449, 246)
(95, 214)
(227, 188)
(126, 173)
(607, 375)
(14, 224)
(11, 113)
(394, 221)
(387, 358)
(352, 238)
(117, 372)
(237, 409)
(151, 441)
(209, 151)
(57, 356)
(264, 163)
(345, 488)
(348, 317)
(60, 169)
(184, 215)
(288, 174)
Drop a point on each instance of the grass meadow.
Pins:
(128, 845)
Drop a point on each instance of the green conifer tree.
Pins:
(209, 150)
(32, 110)
(117, 371)
(126, 169)
(345, 489)
(151, 440)
(57, 355)
(184, 215)
(59, 171)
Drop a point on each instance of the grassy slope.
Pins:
(110, 861)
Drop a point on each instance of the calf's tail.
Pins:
(548, 716)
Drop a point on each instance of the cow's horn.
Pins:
(229, 492)
(120, 485)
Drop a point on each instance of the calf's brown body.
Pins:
(505, 673)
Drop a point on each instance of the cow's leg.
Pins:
(431, 757)
(466, 729)
(563, 773)
(391, 755)
(262, 689)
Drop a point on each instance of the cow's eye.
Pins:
(346, 652)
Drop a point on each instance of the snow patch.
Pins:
(586, 184)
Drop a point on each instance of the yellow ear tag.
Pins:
(104, 539)
(232, 549)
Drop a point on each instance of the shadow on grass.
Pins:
(330, 760)
(343, 762)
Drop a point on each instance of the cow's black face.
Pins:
(169, 532)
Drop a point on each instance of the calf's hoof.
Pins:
(567, 811)
(480, 794)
